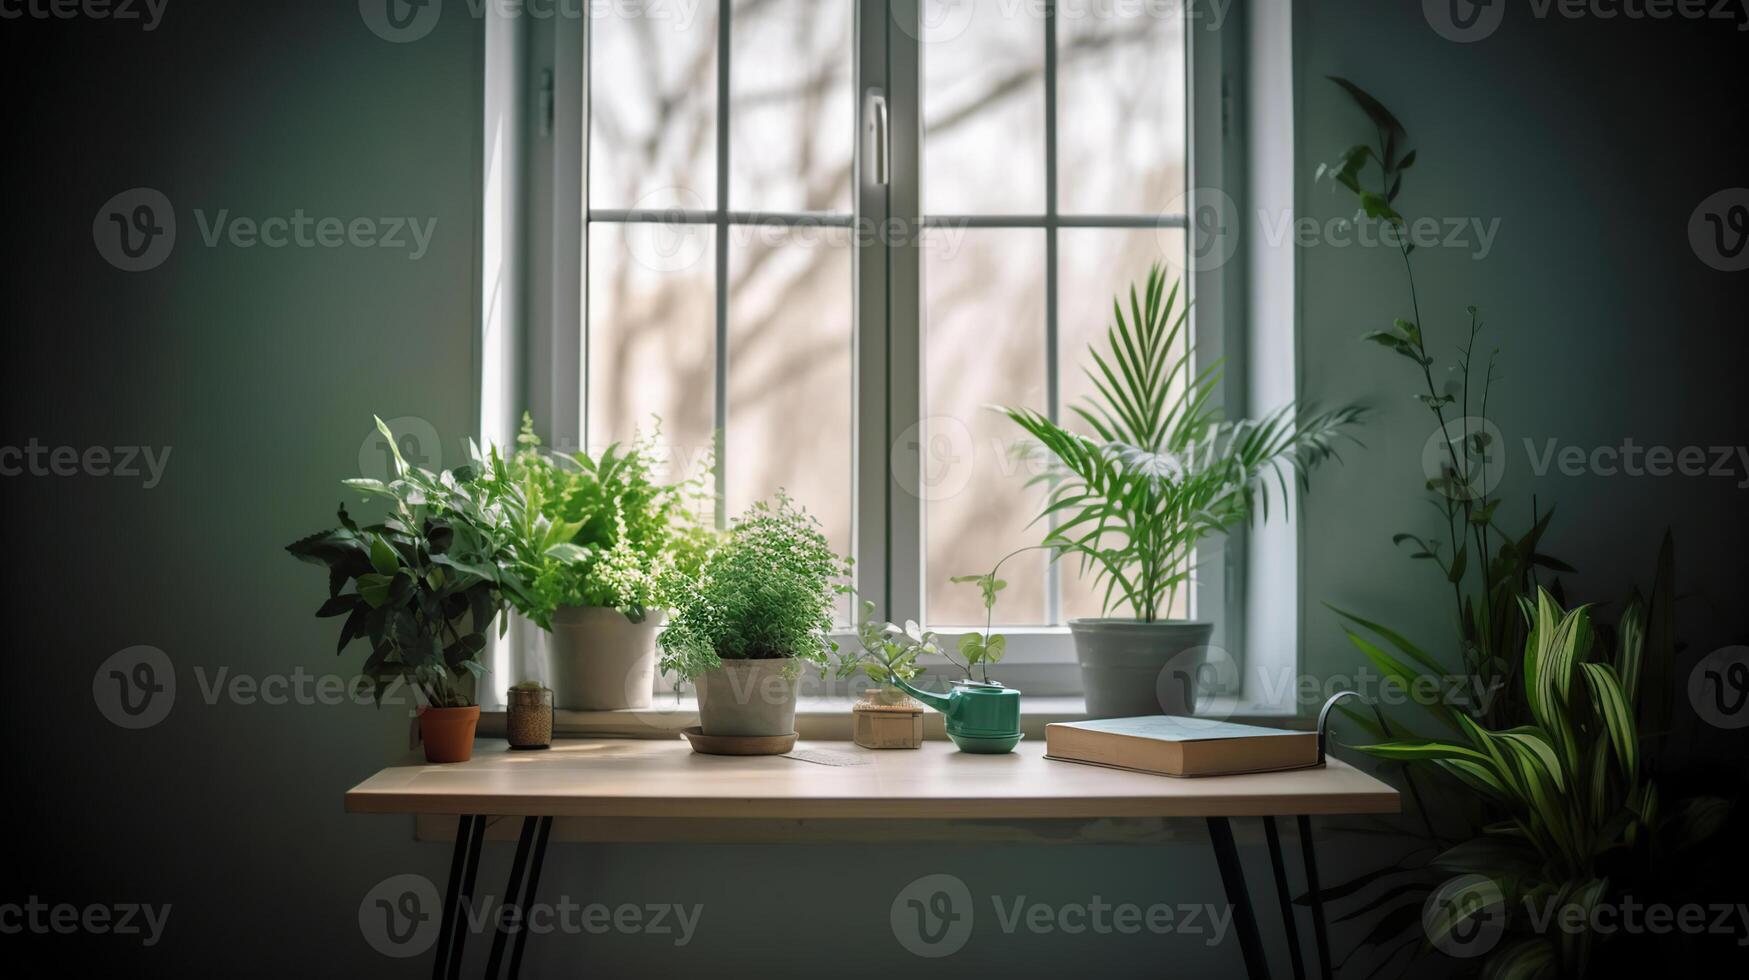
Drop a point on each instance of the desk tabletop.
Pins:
(644, 778)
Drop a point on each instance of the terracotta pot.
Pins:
(448, 733)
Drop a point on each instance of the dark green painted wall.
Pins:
(1591, 142)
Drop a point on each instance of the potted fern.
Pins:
(759, 608)
(594, 534)
(1157, 471)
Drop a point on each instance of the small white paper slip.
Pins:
(823, 758)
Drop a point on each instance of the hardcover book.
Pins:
(1175, 746)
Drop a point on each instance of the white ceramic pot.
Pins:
(602, 661)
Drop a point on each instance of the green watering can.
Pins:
(981, 718)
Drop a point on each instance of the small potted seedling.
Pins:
(980, 715)
(885, 717)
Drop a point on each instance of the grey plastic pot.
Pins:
(747, 697)
(1131, 668)
(602, 661)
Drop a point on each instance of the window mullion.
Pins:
(1053, 388)
(721, 412)
(904, 292)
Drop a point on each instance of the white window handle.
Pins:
(882, 151)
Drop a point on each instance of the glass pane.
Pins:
(1093, 266)
(984, 329)
(792, 118)
(790, 380)
(653, 108)
(652, 338)
(983, 107)
(1120, 108)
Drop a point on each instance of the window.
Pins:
(817, 238)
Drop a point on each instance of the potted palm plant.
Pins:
(594, 534)
(1157, 470)
(758, 609)
(424, 588)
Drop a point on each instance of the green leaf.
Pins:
(1460, 905)
(1377, 207)
(394, 446)
(375, 588)
(1459, 564)
(1392, 637)
(1424, 750)
(567, 552)
(1490, 855)
(1529, 959)
(1618, 717)
(1375, 110)
(971, 647)
(382, 556)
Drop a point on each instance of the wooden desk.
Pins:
(606, 778)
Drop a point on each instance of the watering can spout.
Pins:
(935, 701)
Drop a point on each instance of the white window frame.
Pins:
(552, 230)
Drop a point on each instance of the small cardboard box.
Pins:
(879, 726)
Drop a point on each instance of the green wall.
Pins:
(261, 368)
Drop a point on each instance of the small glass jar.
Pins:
(528, 722)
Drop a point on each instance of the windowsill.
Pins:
(828, 718)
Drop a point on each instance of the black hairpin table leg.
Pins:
(543, 831)
(1316, 896)
(1289, 926)
(512, 892)
(464, 863)
(1233, 881)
